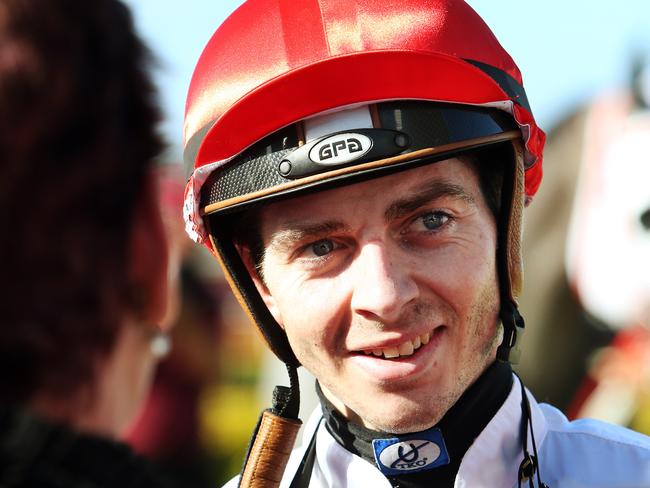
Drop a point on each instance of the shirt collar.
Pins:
(495, 456)
(492, 460)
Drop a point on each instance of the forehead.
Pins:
(378, 193)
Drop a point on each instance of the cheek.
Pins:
(315, 296)
(315, 313)
(459, 274)
(465, 279)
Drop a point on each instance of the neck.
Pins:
(109, 404)
(459, 427)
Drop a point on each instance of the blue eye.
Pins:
(434, 220)
(322, 247)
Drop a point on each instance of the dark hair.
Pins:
(78, 116)
(488, 163)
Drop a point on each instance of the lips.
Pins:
(404, 349)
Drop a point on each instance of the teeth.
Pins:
(405, 349)
(391, 352)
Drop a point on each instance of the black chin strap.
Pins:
(286, 400)
(513, 331)
(510, 351)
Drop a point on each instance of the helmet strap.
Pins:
(286, 399)
(273, 438)
(511, 319)
(513, 331)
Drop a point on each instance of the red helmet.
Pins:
(430, 75)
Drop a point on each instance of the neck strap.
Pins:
(453, 435)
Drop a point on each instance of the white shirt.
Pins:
(579, 454)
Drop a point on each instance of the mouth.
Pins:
(405, 349)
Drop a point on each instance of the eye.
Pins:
(434, 220)
(322, 247)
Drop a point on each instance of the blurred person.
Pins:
(84, 282)
(615, 292)
(559, 335)
(586, 249)
(360, 170)
(168, 428)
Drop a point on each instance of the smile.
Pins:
(405, 349)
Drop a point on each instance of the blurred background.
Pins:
(587, 241)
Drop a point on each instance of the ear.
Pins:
(149, 254)
(262, 288)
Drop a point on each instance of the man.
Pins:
(360, 171)
(84, 273)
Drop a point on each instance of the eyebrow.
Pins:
(283, 240)
(424, 194)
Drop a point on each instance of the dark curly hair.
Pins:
(78, 117)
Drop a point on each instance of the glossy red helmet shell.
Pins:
(274, 62)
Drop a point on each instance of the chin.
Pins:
(402, 416)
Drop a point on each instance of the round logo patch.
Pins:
(407, 456)
(411, 453)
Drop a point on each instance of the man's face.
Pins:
(387, 291)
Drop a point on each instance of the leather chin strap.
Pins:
(274, 438)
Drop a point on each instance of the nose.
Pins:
(383, 285)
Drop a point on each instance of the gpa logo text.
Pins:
(340, 149)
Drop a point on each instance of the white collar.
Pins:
(494, 457)
(491, 461)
